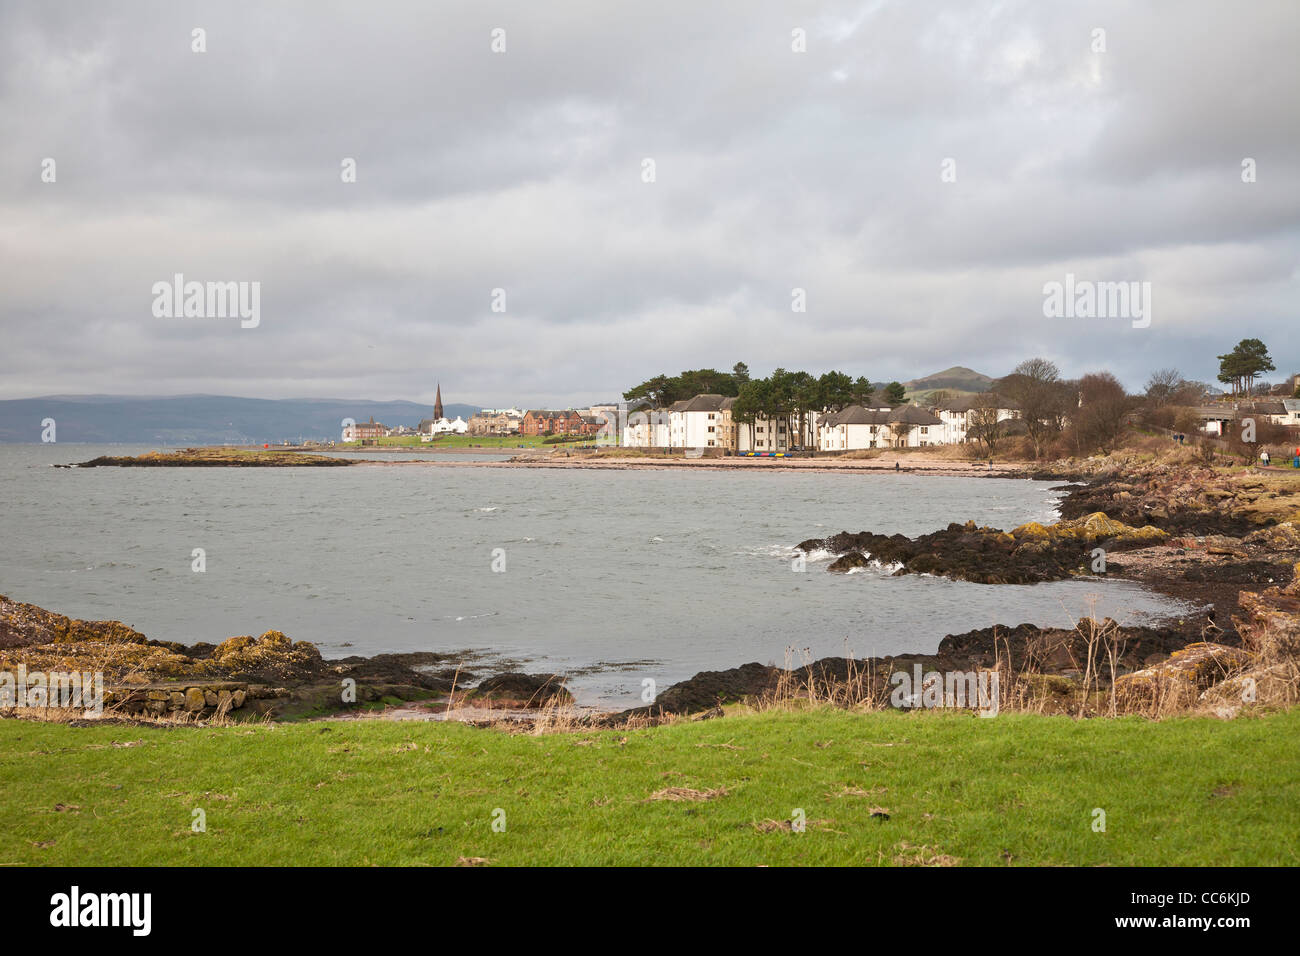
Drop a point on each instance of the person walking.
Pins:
(1263, 457)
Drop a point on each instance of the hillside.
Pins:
(199, 419)
(958, 380)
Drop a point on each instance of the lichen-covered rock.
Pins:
(23, 625)
(1280, 537)
(194, 699)
(272, 657)
(1181, 679)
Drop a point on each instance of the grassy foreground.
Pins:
(1018, 789)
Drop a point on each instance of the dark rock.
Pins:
(531, 690)
(848, 562)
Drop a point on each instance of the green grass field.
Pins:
(1018, 789)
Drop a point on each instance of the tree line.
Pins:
(784, 396)
(1089, 414)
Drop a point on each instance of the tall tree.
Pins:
(1246, 362)
(895, 393)
(836, 391)
(658, 391)
(863, 393)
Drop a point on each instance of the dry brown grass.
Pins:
(909, 854)
(687, 794)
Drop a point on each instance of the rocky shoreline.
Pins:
(246, 677)
(1227, 542)
(214, 458)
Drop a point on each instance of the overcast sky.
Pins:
(523, 170)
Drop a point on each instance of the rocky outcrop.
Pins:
(1025, 555)
(216, 458)
(1269, 625)
(1048, 661)
(24, 625)
(241, 675)
(849, 562)
(522, 690)
(1186, 499)
(1179, 681)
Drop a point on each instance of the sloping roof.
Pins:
(1291, 404)
(700, 403)
(1265, 408)
(1214, 412)
(857, 415)
(913, 415)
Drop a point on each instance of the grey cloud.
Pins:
(522, 171)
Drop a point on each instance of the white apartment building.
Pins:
(855, 427)
(959, 416)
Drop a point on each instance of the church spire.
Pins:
(437, 404)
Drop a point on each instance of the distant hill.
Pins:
(955, 379)
(199, 419)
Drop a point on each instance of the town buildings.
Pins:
(708, 422)
(439, 424)
(541, 421)
(976, 418)
(1218, 418)
(496, 421)
(360, 431)
(855, 427)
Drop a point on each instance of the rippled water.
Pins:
(616, 576)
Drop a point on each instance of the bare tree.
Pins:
(1103, 412)
(982, 420)
(1045, 400)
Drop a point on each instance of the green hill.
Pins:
(958, 381)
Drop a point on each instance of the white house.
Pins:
(763, 434)
(699, 422)
(960, 416)
(647, 428)
(432, 427)
(855, 427)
